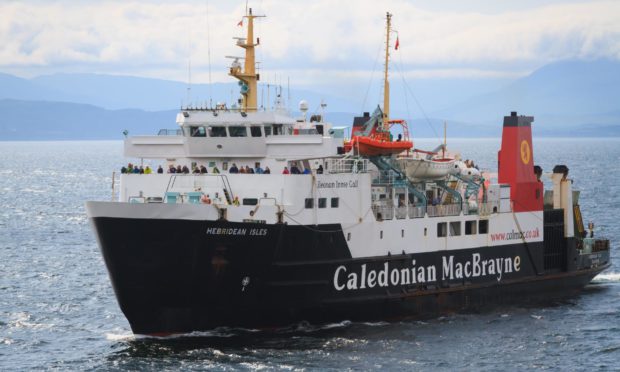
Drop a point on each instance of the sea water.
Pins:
(58, 310)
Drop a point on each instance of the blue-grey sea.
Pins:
(58, 310)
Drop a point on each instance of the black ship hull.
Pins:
(178, 276)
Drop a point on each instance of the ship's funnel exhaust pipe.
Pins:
(516, 164)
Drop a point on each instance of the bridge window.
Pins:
(267, 130)
(309, 203)
(217, 131)
(455, 228)
(470, 227)
(197, 131)
(255, 131)
(250, 201)
(322, 202)
(237, 131)
(442, 230)
(483, 226)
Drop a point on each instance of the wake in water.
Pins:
(607, 278)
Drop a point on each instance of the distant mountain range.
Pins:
(569, 98)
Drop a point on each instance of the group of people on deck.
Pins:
(201, 169)
(247, 170)
(134, 169)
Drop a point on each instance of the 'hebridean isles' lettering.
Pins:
(235, 231)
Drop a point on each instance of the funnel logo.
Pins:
(525, 152)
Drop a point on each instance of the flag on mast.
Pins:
(240, 24)
(397, 44)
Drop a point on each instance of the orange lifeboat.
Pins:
(379, 143)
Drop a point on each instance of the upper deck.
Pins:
(238, 134)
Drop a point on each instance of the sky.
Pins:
(310, 42)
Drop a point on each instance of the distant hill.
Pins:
(120, 92)
(569, 93)
(569, 98)
(38, 120)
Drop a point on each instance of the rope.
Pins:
(408, 88)
(372, 74)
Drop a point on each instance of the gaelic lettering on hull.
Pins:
(451, 269)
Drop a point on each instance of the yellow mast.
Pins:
(248, 76)
(386, 82)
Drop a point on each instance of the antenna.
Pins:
(288, 92)
(262, 96)
(209, 58)
(189, 69)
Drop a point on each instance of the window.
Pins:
(402, 233)
(335, 202)
(442, 230)
(198, 131)
(237, 131)
(348, 236)
(250, 201)
(425, 230)
(255, 131)
(381, 235)
(267, 130)
(217, 131)
(470, 227)
(322, 202)
(455, 228)
(309, 203)
(483, 226)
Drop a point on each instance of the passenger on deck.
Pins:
(215, 170)
(267, 170)
(136, 170)
(436, 201)
(285, 171)
(203, 169)
(319, 170)
(141, 170)
(249, 170)
(233, 169)
(123, 170)
(307, 171)
(294, 169)
(160, 170)
(205, 199)
(129, 168)
(179, 169)
(196, 170)
(185, 169)
(400, 138)
(242, 169)
(259, 170)
(172, 169)
(147, 170)
(236, 201)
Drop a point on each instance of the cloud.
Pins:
(341, 37)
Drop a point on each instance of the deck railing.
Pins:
(346, 166)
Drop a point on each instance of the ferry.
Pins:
(276, 219)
